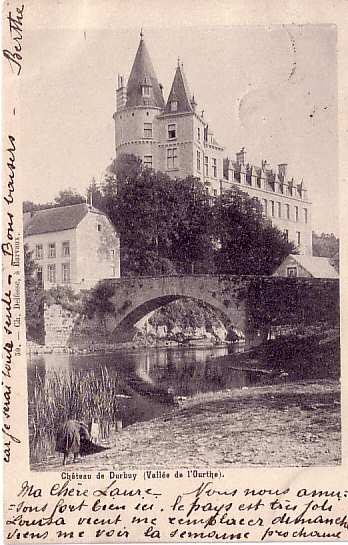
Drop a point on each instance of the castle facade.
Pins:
(174, 137)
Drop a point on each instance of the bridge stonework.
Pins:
(135, 297)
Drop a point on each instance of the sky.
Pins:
(271, 89)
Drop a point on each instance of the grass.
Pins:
(75, 394)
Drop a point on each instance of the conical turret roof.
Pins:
(143, 73)
(180, 92)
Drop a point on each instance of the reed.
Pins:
(61, 395)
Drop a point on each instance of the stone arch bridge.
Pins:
(134, 297)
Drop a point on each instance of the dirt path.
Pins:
(294, 424)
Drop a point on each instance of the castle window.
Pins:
(198, 160)
(198, 134)
(172, 156)
(214, 165)
(51, 273)
(174, 106)
(272, 209)
(264, 206)
(286, 235)
(39, 275)
(147, 130)
(147, 162)
(99, 227)
(171, 131)
(279, 210)
(39, 251)
(305, 215)
(287, 208)
(206, 166)
(65, 249)
(291, 272)
(296, 213)
(215, 192)
(65, 273)
(298, 237)
(52, 249)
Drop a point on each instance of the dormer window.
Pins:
(145, 90)
(174, 106)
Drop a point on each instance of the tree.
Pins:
(171, 226)
(247, 243)
(65, 197)
(325, 245)
(68, 196)
(34, 299)
(192, 233)
(98, 303)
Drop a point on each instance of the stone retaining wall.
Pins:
(66, 328)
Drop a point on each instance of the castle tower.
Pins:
(171, 137)
(187, 145)
(137, 105)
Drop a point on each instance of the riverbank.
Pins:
(292, 424)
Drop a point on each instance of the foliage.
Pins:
(289, 301)
(68, 196)
(325, 245)
(171, 226)
(64, 198)
(65, 297)
(79, 394)
(97, 301)
(185, 314)
(248, 244)
(34, 300)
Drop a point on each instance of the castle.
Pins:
(173, 136)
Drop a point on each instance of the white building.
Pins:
(74, 245)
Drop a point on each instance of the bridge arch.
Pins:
(137, 297)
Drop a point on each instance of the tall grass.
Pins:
(61, 395)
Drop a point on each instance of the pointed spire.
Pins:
(180, 91)
(143, 87)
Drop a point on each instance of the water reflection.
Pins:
(181, 371)
(153, 380)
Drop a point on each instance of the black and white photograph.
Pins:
(182, 248)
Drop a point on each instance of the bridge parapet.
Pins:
(248, 303)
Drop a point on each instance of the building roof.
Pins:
(318, 267)
(180, 92)
(61, 218)
(143, 73)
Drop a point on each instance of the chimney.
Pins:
(121, 94)
(241, 156)
(282, 171)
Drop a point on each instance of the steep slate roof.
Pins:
(143, 72)
(180, 92)
(61, 218)
(318, 267)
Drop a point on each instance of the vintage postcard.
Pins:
(173, 275)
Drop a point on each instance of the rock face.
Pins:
(184, 320)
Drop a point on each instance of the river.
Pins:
(181, 371)
(153, 379)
